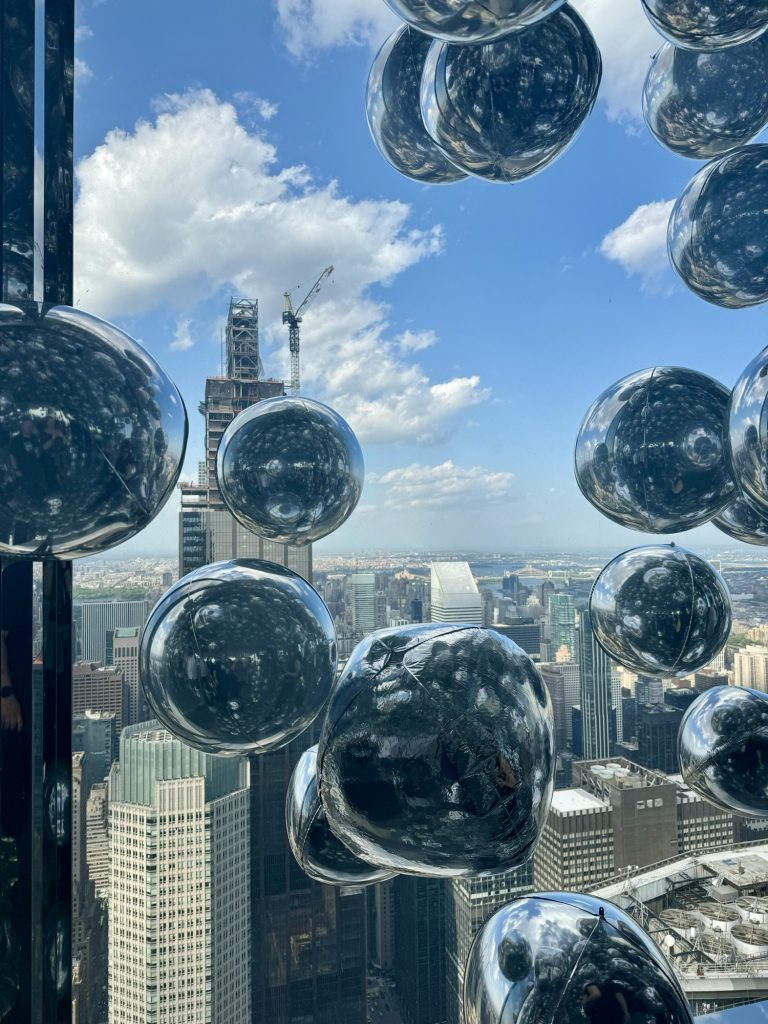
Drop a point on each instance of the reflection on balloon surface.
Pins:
(723, 749)
(563, 958)
(701, 105)
(394, 111)
(436, 755)
(238, 657)
(708, 26)
(652, 451)
(660, 610)
(504, 110)
(744, 520)
(748, 431)
(718, 231)
(290, 469)
(472, 21)
(316, 849)
(92, 434)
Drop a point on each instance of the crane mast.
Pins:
(293, 320)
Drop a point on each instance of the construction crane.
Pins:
(293, 319)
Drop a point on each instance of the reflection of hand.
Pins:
(10, 713)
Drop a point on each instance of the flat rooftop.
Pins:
(572, 800)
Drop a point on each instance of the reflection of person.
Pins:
(24, 457)
(53, 448)
(10, 709)
(604, 1004)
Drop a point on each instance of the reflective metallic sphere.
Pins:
(718, 231)
(565, 958)
(744, 520)
(394, 112)
(318, 852)
(702, 105)
(652, 451)
(290, 469)
(504, 110)
(437, 756)
(749, 431)
(92, 434)
(472, 21)
(696, 25)
(238, 657)
(723, 749)
(660, 610)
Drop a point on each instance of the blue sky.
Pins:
(224, 150)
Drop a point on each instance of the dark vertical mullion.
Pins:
(58, 158)
(17, 139)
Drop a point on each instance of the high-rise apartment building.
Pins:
(95, 688)
(454, 594)
(179, 907)
(750, 667)
(124, 645)
(562, 624)
(596, 697)
(93, 619)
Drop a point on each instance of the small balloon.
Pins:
(651, 453)
(290, 469)
(695, 25)
(718, 232)
(505, 110)
(472, 21)
(92, 434)
(238, 657)
(562, 958)
(318, 852)
(661, 611)
(701, 105)
(436, 756)
(723, 749)
(394, 112)
(744, 520)
(748, 435)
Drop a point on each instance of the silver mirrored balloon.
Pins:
(565, 958)
(723, 749)
(238, 657)
(701, 105)
(290, 469)
(472, 21)
(92, 434)
(748, 431)
(696, 25)
(718, 232)
(744, 520)
(651, 453)
(394, 111)
(660, 610)
(436, 756)
(505, 110)
(317, 850)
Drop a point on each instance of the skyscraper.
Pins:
(125, 656)
(562, 624)
(420, 948)
(94, 618)
(596, 697)
(95, 688)
(455, 597)
(362, 590)
(179, 908)
(95, 734)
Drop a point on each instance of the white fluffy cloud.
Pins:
(182, 338)
(640, 243)
(314, 24)
(193, 204)
(445, 485)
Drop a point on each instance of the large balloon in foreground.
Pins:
(749, 431)
(92, 434)
(660, 610)
(394, 112)
(651, 453)
(723, 749)
(472, 21)
(317, 850)
(504, 110)
(238, 657)
(701, 105)
(710, 25)
(290, 469)
(563, 958)
(718, 232)
(436, 756)
(744, 520)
